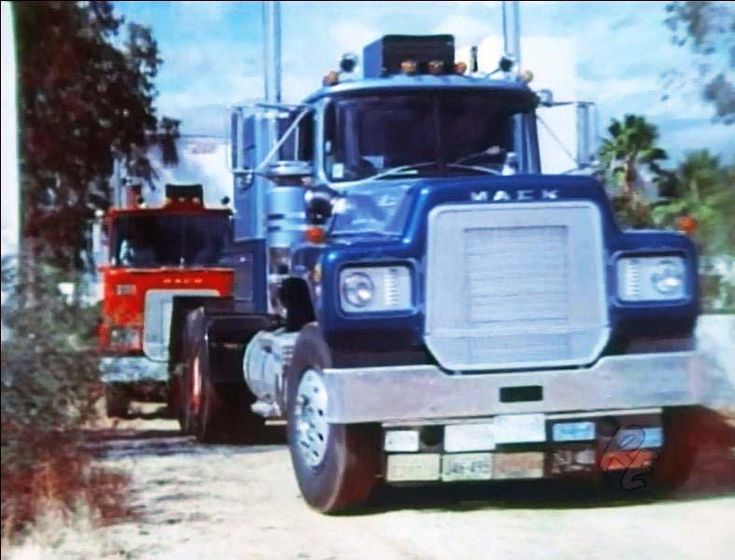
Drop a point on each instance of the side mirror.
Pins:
(586, 149)
(545, 97)
(99, 239)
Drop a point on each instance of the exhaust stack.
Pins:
(272, 51)
(512, 32)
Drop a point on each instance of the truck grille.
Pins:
(157, 320)
(515, 285)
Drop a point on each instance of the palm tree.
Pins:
(632, 144)
(704, 192)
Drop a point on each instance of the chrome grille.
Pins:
(157, 320)
(506, 287)
(515, 285)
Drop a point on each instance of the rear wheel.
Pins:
(336, 465)
(117, 401)
(216, 413)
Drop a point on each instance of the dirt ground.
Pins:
(209, 502)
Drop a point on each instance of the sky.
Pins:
(212, 53)
(612, 53)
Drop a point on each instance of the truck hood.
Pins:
(425, 193)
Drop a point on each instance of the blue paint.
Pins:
(361, 332)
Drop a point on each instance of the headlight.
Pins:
(358, 289)
(375, 288)
(651, 278)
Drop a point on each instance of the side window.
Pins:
(299, 146)
(306, 138)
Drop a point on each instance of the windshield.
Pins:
(372, 208)
(367, 135)
(168, 240)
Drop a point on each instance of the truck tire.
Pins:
(682, 431)
(173, 398)
(216, 413)
(117, 401)
(336, 465)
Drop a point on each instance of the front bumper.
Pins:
(425, 392)
(132, 369)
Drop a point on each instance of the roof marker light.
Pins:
(331, 79)
(408, 66)
(435, 67)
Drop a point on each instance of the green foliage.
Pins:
(629, 149)
(49, 370)
(708, 29)
(85, 94)
(50, 391)
(705, 190)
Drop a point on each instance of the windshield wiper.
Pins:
(480, 168)
(412, 167)
(398, 170)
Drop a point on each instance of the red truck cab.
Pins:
(155, 254)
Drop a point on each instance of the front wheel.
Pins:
(336, 465)
(117, 401)
(683, 428)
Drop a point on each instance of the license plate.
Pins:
(418, 467)
(518, 465)
(401, 440)
(632, 438)
(469, 437)
(467, 466)
(519, 428)
(573, 431)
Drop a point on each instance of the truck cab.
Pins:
(155, 254)
(438, 309)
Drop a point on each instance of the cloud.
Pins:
(346, 34)
(200, 14)
(467, 30)
(618, 52)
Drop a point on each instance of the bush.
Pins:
(50, 388)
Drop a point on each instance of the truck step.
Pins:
(266, 409)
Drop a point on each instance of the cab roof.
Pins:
(421, 82)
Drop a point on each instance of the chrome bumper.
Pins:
(384, 394)
(132, 369)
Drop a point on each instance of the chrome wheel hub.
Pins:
(312, 428)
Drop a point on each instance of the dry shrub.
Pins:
(50, 389)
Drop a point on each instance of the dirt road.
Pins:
(213, 502)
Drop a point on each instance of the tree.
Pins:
(630, 149)
(708, 29)
(85, 94)
(704, 190)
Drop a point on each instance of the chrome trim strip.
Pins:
(392, 394)
(132, 369)
(558, 416)
(157, 319)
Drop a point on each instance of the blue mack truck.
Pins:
(422, 305)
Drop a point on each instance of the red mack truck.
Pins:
(154, 254)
